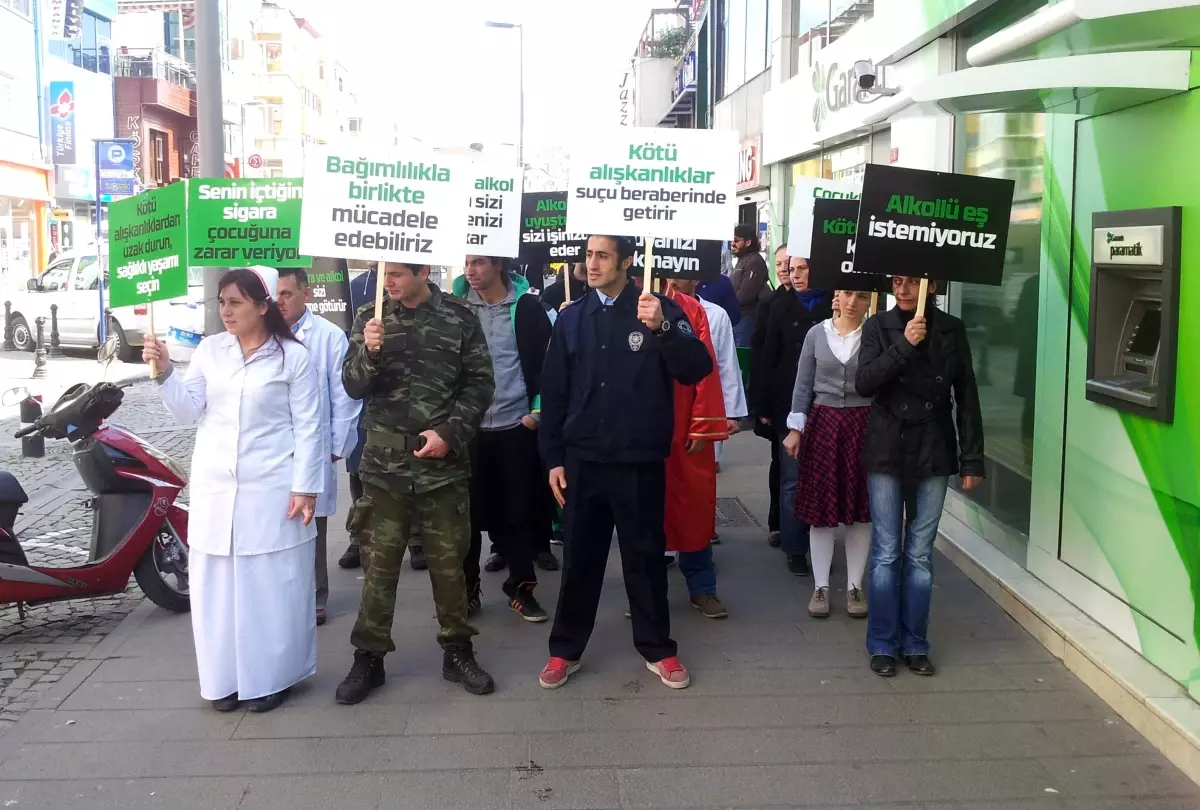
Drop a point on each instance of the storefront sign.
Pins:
(698, 259)
(806, 191)
(74, 183)
(148, 246)
(329, 280)
(748, 166)
(115, 169)
(390, 206)
(544, 236)
(685, 75)
(1137, 245)
(494, 211)
(831, 258)
(674, 183)
(237, 223)
(65, 19)
(625, 100)
(62, 122)
(952, 227)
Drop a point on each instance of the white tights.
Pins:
(858, 545)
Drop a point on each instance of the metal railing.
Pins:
(154, 63)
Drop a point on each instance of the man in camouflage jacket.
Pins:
(427, 376)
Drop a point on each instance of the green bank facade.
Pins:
(1091, 107)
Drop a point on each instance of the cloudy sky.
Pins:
(447, 79)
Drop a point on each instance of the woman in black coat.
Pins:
(789, 318)
(925, 426)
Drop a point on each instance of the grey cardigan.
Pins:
(823, 379)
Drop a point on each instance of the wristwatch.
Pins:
(664, 328)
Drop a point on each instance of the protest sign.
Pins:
(675, 183)
(831, 258)
(148, 247)
(800, 221)
(544, 236)
(329, 280)
(395, 205)
(494, 210)
(935, 225)
(242, 222)
(697, 259)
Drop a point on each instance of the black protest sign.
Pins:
(544, 237)
(693, 259)
(329, 281)
(831, 257)
(933, 225)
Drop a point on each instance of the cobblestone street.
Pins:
(55, 530)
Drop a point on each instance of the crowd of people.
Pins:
(561, 417)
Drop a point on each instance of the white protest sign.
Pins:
(395, 205)
(672, 183)
(494, 211)
(800, 221)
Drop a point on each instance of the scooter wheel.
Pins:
(158, 591)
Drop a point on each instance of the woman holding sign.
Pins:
(257, 470)
(826, 428)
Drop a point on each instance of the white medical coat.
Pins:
(721, 331)
(327, 346)
(258, 441)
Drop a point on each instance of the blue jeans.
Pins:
(699, 571)
(743, 331)
(793, 533)
(902, 579)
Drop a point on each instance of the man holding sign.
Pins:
(607, 426)
(426, 374)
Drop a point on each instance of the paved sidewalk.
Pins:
(783, 712)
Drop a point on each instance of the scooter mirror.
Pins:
(108, 350)
(13, 396)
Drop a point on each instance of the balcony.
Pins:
(156, 78)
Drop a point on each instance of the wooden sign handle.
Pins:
(648, 270)
(150, 328)
(568, 277)
(379, 292)
(921, 296)
(874, 304)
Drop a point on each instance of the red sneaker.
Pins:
(671, 672)
(556, 673)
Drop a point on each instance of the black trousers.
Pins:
(631, 498)
(507, 488)
(773, 486)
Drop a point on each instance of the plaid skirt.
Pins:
(832, 486)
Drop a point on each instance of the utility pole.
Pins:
(210, 125)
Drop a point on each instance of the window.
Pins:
(354, 124)
(103, 46)
(22, 7)
(160, 172)
(55, 278)
(91, 48)
(734, 40)
(172, 37)
(87, 275)
(745, 42)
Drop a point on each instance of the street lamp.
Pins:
(521, 82)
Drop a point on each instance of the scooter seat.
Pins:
(11, 491)
(11, 551)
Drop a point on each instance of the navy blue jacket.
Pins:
(721, 293)
(362, 292)
(608, 386)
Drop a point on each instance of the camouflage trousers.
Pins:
(386, 521)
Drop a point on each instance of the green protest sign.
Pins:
(245, 221)
(148, 246)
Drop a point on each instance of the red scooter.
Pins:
(137, 527)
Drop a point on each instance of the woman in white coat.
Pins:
(257, 470)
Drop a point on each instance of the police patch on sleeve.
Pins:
(685, 327)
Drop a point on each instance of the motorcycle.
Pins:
(137, 526)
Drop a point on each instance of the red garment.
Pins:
(691, 508)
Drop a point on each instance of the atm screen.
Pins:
(1146, 336)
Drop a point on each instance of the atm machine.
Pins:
(1133, 318)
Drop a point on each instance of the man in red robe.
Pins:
(691, 508)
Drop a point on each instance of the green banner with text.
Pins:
(148, 246)
(245, 221)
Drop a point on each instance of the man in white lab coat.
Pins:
(720, 329)
(326, 344)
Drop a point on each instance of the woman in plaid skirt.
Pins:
(826, 429)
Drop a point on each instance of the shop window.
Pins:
(1002, 321)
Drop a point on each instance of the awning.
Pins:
(24, 182)
(1082, 85)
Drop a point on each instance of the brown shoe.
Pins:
(710, 606)
(818, 606)
(856, 604)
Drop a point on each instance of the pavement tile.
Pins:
(960, 781)
(480, 715)
(575, 789)
(1144, 775)
(145, 725)
(135, 695)
(751, 786)
(162, 793)
(465, 790)
(363, 720)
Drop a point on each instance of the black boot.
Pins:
(474, 598)
(547, 561)
(227, 704)
(350, 557)
(366, 674)
(459, 666)
(416, 558)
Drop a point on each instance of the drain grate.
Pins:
(732, 515)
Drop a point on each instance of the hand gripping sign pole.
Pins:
(921, 296)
